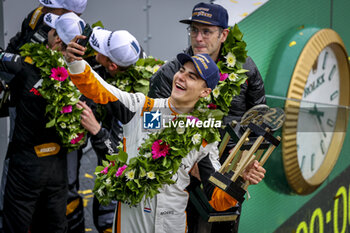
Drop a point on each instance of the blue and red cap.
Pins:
(208, 13)
(206, 67)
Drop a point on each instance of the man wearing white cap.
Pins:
(67, 26)
(106, 43)
(33, 29)
(116, 50)
(36, 188)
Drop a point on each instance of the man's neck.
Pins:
(112, 72)
(181, 107)
(215, 56)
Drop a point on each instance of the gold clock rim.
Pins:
(310, 52)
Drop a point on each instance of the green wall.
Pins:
(264, 29)
(267, 209)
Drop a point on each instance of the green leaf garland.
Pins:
(61, 96)
(136, 78)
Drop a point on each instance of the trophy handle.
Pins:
(268, 152)
(235, 150)
(223, 144)
(247, 158)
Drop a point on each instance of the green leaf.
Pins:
(241, 71)
(51, 123)
(122, 157)
(237, 33)
(142, 89)
(105, 163)
(99, 169)
(143, 82)
(97, 24)
(112, 157)
(138, 183)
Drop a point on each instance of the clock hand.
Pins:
(315, 112)
(321, 126)
(318, 115)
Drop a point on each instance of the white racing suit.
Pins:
(165, 213)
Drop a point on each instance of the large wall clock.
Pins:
(315, 67)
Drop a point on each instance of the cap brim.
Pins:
(189, 21)
(50, 19)
(186, 21)
(51, 4)
(183, 58)
(98, 40)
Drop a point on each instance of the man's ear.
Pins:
(205, 92)
(112, 66)
(57, 43)
(224, 35)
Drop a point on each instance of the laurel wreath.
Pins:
(60, 93)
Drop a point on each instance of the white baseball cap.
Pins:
(77, 6)
(50, 19)
(52, 3)
(67, 25)
(120, 46)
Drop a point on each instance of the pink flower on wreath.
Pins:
(159, 149)
(212, 106)
(77, 138)
(192, 118)
(223, 76)
(59, 73)
(105, 170)
(120, 170)
(67, 109)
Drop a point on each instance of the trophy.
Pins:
(261, 121)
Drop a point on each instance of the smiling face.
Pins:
(188, 87)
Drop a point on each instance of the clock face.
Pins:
(318, 113)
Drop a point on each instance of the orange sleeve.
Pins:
(221, 201)
(89, 86)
